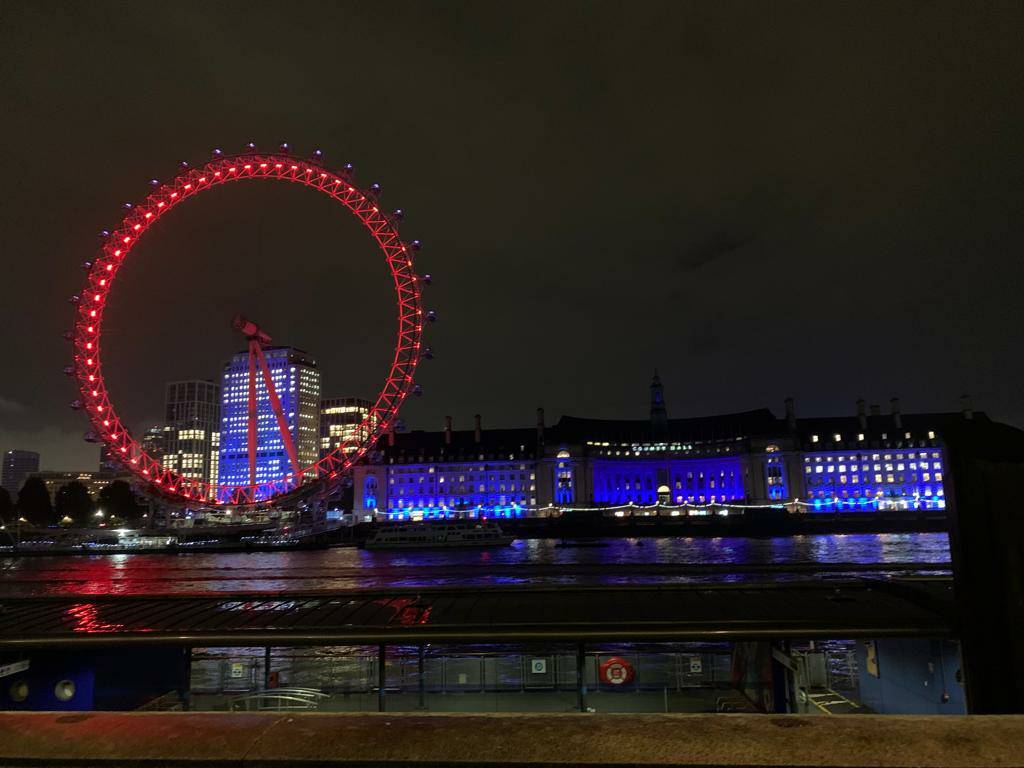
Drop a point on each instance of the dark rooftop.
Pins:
(462, 445)
(702, 428)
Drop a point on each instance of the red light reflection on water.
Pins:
(407, 611)
(85, 618)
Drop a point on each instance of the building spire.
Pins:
(659, 415)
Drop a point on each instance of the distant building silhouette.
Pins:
(18, 465)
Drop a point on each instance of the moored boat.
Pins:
(458, 533)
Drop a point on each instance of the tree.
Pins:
(116, 499)
(74, 501)
(6, 506)
(34, 503)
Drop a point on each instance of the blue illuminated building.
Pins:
(874, 462)
(296, 380)
(864, 463)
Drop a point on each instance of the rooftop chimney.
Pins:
(876, 409)
(540, 425)
(791, 414)
(862, 415)
(447, 430)
(391, 437)
(965, 407)
(476, 427)
(896, 417)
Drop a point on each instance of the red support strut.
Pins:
(282, 422)
(253, 345)
(257, 339)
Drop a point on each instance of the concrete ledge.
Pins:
(214, 739)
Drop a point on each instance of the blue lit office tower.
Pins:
(296, 379)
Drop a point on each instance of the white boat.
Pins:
(460, 533)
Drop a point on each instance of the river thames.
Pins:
(533, 561)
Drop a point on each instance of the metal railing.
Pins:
(278, 700)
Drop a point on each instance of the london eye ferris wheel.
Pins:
(101, 277)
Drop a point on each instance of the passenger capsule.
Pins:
(432, 316)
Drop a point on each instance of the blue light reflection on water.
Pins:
(532, 561)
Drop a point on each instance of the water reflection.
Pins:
(620, 561)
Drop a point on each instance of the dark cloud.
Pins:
(828, 194)
(699, 254)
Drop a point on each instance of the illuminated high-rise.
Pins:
(192, 429)
(296, 378)
(344, 422)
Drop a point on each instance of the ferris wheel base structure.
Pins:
(101, 274)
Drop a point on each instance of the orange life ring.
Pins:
(616, 671)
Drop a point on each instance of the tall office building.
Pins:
(296, 378)
(154, 442)
(192, 429)
(341, 422)
(18, 465)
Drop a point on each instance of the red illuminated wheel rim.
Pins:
(101, 276)
(616, 671)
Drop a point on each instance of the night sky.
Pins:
(821, 200)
